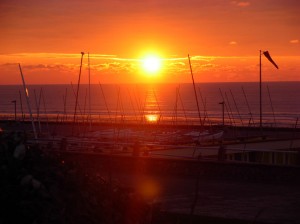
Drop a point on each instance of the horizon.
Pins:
(161, 83)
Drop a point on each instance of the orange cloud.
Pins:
(294, 41)
(240, 4)
(41, 68)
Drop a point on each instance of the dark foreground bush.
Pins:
(38, 187)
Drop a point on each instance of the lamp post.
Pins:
(15, 108)
(223, 114)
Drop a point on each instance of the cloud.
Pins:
(40, 67)
(202, 58)
(114, 66)
(176, 67)
(243, 4)
(51, 67)
(240, 4)
(294, 41)
(9, 64)
(58, 55)
(209, 65)
(176, 64)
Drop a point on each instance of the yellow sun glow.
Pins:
(151, 64)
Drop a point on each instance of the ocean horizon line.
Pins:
(142, 83)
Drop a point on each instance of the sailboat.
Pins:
(200, 136)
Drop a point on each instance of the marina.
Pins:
(221, 148)
(251, 168)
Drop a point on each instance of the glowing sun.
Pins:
(151, 64)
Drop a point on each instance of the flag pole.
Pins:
(267, 55)
(260, 92)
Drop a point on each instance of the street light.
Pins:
(15, 107)
(223, 115)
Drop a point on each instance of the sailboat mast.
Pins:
(90, 114)
(271, 103)
(249, 109)
(78, 84)
(21, 104)
(110, 119)
(195, 92)
(37, 104)
(28, 103)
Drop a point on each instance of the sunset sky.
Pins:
(223, 38)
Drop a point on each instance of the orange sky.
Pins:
(223, 37)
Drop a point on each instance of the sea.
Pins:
(228, 103)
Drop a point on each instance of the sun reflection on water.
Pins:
(152, 118)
